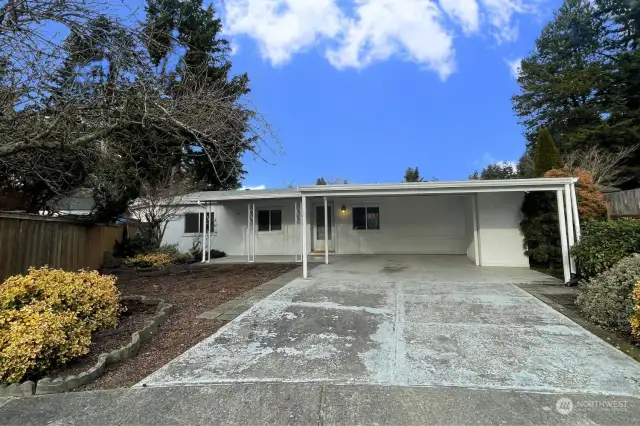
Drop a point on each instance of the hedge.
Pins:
(607, 298)
(603, 244)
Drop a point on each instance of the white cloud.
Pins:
(499, 14)
(464, 12)
(514, 66)
(283, 27)
(357, 33)
(490, 159)
(384, 28)
(252, 188)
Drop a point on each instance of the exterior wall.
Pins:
(500, 239)
(231, 229)
(441, 224)
(408, 225)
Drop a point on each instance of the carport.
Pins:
(491, 206)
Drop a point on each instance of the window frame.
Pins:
(201, 216)
(366, 219)
(270, 210)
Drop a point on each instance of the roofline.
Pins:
(452, 187)
(405, 188)
(247, 195)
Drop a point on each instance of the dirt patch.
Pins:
(192, 289)
(131, 320)
(566, 300)
(565, 303)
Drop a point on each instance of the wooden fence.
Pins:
(31, 240)
(624, 203)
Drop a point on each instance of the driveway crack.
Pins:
(321, 406)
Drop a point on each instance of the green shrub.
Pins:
(607, 298)
(170, 249)
(132, 246)
(47, 317)
(183, 259)
(149, 260)
(215, 254)
(603, 244)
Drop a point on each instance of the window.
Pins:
(366, 218)
(269, 220)
(193, 223)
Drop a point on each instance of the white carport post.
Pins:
(204, 233)
(209, 226)
(326, 232)
(304, 236)
(251, 233)
(476, 231)
(563, 237)
(569, 212)
(576, 215)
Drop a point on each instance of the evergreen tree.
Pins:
(184, 34)
(321, 181)
(539, 225)
(547, 156)
(561, 79)
(495, 171)
(412, 175)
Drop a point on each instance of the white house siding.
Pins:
(437, 224)
(408, 225)
(174, 234)
(499, 222)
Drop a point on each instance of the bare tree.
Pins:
(90, 107)
(161, 201)
(606, 165)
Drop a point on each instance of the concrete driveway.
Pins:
(407, 321)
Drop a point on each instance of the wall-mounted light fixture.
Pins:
(343, 209)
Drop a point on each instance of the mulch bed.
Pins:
(192, 289)
(566, 300)
(132, 319)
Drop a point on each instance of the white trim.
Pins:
(576, 214)
(253, 208)
(563, 237)
(570, 230)
(406, 188)
(326, 232)
(297, 225)
(466, 186)
(304, 237)
(476, 230)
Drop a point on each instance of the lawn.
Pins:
(192, 289)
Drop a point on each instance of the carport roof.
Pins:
(451, 187)
(380, 189)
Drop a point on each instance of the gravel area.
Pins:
(192, 289)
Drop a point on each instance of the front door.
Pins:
(320, 237)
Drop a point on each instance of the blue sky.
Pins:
(362, 89)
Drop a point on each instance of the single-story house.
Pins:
(474, 218)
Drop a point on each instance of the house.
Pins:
(478, 219)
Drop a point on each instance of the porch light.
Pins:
(343, 209)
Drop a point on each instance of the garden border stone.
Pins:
(48, 385)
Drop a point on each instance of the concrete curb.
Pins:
(48, 385)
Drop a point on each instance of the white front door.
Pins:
(319, 233)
